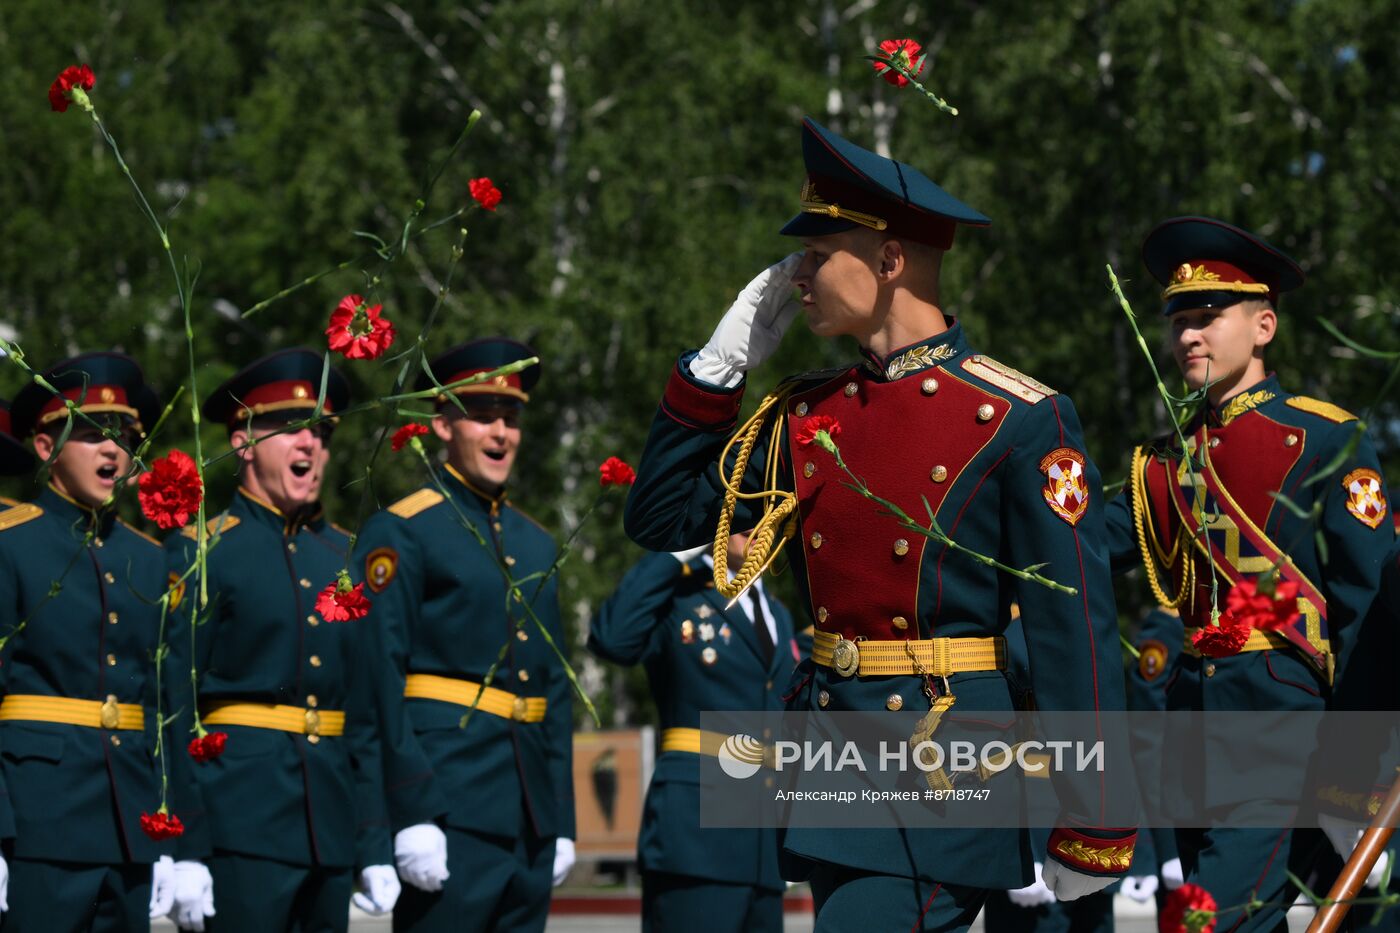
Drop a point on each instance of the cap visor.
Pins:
(811, 225)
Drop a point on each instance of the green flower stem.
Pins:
(938, 102)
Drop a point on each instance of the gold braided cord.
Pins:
(1138, 477)
(778, 522)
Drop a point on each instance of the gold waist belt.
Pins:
(95, 714)
(702, 742)
(309, 722)
(935, 657)
(1258, 641)
(501, 703)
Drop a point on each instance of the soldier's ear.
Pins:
(43, 444)
(441, 428)
(1265, 327)
(238, 440)
(892, 259)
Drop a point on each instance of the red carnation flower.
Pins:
(615, 472)
(906, 53)
(208, 746)
(163, 825)
(1261, 609)
(357, 330)
(170, 492)
(406, 433)
(1223, 640)
(71, 81)
(1189, 909)
(341, 602)
(484, 193)
(807, 434)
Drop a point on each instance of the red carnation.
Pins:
(357, 330)
(905, 52)
(341, 602)
(170, 492)
(1223, 640)
(71, 85)
(163, 825)
(208, 746)
(1258, 608)
(406, 433)
(807, 434)
(484, 193)
(615, 472)
(1189, 909)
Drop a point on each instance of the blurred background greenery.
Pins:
(648, 152)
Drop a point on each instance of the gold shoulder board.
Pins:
(1320, 408)
(24, 512)
(411, 505)
(216, 525)
(1004, 377)
(344, 531)
(137, 531)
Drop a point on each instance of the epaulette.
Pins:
(6, 500)
(412, 504)
(1006, 378)
(19, 514)
(1320, 408)
(137, 531)
(344, 531)
(216, 525)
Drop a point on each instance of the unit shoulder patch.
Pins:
(420, 501)
(214, 526)
(1317, 406)
(1365, 496)
(19, 514)
(137, 531)
(1007, 379)
(1066, 491)
(1152, 659)
(381, 564)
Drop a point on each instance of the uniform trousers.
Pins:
(252, 893)
(1239, 866)
(684, 904)
(494, 883)
(76, 897)
(852, 901)
(1092, 913)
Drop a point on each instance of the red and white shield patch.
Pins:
(1065, 490)
(1365, 496)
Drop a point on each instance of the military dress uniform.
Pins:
(1000, 459)
(1258, 442)
(292, 806)
(502, 785)
(79, 716)
(699, 655)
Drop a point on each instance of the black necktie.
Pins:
(760, 628)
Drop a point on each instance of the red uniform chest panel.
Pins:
(1253, 457)
(905, 442)
(1163, 515)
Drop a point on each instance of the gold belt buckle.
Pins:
(845, 657)
(313, 723)
(111, 717)
(518, 707)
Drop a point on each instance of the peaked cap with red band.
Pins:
(482, 356)
(102, 383)
(15, 458)
(848, 186)
(281, 386)
(1207, 263)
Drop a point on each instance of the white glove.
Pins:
(4, 885)
(689, 554)
(379, 890)
(750, 330)
(1344, 834)
(420, 852)
(194, 896)
(1172, 875)
(1035, 894)
(162, 887)
(1071, 885)
(1140, 887)
(563, 859)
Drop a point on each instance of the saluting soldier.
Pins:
(292, 805)
(483, 812)
(700, 654)
(1253, 441)
(1000, 459)
(79, 614)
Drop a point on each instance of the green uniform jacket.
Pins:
(440, 601)
(982, 443)
(73, 793)
(274, 794)
(698, 656)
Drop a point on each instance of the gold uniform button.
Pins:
(851, 389)
(496, 526)
(1290, 440)
(311, 700)
(111, 660)
(312, 620)
(291, 547)
(929, 386)
(823, 698)
(900, 623)
(523, 675)
(109, 577)
(768, 685)
(112, 618)
(821, 613)
(901, 547)
(315, 660)
(985, 412)
(808, 469)
(801, 409)
(938, 474)
(1215, 442)
(1210, 670)
(894, 703)
(510, 561)
(305, 583)
(99, 542)
(816, 540)
(767, 782)
(314, 739)
(116, 740)
(522, 635)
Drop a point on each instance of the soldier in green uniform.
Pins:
(293, 804)
(1252, 441)
(700, 654)
(483, 814)
(997, 456)
(78, 720)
